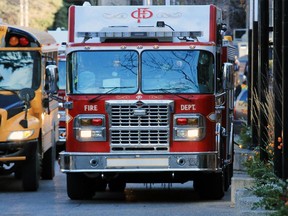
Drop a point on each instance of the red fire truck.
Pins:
(149, 99)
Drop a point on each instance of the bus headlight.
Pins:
(20, 135)
(90, 127)
(188, 127)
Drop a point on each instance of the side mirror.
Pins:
(26, 94)
(228, 84)
(228, 71)
(51, 79)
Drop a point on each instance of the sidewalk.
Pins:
(241, 198)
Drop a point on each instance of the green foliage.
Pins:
(270, 188)
(41, 13)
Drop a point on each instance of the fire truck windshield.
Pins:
(102, 72)
(114, 72)
(16, 69)
(179, 71)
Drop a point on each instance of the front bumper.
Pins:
(112, 162)
(17, 151)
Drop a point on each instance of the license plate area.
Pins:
(137, 163)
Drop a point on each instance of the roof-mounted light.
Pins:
(18, 41)
(23, 41)
(13, 41)
(139, 34)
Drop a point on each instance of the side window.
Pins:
(206, 72)
(219, 75)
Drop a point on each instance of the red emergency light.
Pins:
(97, 122)
(18, 41)
(187, 121)
(182, 121)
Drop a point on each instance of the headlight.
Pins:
(20, 135)
(90, 127)
(189, 127)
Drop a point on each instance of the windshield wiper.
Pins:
(168, 90)
(111, 89)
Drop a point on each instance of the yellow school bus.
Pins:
(28, 111)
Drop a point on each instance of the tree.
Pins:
(10, 12)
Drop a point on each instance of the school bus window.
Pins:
(18, 69)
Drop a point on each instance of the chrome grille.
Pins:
(139, 126)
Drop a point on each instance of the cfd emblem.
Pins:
(141, 13)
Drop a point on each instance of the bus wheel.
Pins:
(79, 186)
(117, 185)
(31, 169)
(210, 186)
(48, 164)
(18, 171)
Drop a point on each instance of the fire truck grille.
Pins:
(140, 126)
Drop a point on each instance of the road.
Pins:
(137, 200)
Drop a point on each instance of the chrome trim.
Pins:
(105, 162)
(201, 126)
(139, 125)
(62, 131)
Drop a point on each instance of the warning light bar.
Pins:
(139, 34)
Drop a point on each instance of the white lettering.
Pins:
(90, 108)
(188, 107)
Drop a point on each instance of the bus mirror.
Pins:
(51, 79)
(26, 94)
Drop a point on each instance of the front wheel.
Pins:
(48, 164)
(79, 186)
(117, 185)
(31, 169)
(210, 186)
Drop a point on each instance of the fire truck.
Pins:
(28, 112)
(149, 99)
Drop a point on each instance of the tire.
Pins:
(48, 164)
(60, 146)
(79, 186)
(210, 186)
(31, 169)
(18, 171)
(228, 174)
(117, 185)
(100, 185)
